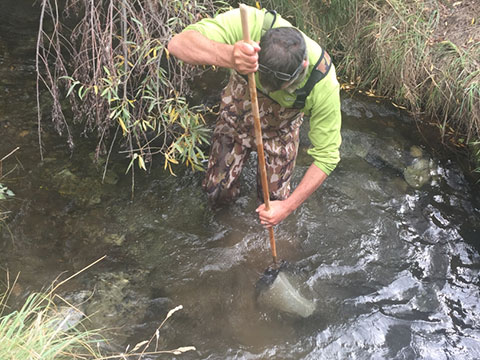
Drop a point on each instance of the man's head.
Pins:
(282, 58)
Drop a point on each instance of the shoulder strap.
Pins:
(268, 20)
(320, 70)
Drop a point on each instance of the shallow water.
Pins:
(393, 269)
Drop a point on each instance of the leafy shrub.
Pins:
(110, 59)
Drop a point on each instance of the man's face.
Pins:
(268, 89)
(292, 85)
(289, 86)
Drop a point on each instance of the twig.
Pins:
(37, 68)
(6, 156)
(10, 153)
(77, 273)
(109, 153)
(8, 292)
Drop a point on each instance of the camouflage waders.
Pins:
(234, 139)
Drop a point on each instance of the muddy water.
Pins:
(387, 249)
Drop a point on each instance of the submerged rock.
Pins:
(117, 303)
(355, 144)
(416, 151)
(417, 174)
(111, 177)
(71, 318)
(84, 190)
(115, 239)
(384, 155)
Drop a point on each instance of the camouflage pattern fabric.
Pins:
(234, 139)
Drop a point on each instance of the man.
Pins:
(294, 75)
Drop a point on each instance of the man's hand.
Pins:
(278, 211)
(245, 57)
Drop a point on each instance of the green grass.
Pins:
(38, 330)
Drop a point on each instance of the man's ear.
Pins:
(305, 63)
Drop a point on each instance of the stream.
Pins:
(387, 248)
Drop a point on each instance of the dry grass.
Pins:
(423, 55)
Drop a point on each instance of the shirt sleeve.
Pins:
(227, 27)
(325, 123)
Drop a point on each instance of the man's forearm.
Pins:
(311, 181)
(280, 209)
(194, 48)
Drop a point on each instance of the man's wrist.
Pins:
(225, 57)
(289, 204)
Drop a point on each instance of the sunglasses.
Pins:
(280, 75)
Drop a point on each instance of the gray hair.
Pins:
(283, 50)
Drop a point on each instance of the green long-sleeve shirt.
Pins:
(323, 103)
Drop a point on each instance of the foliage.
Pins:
(5, 192)
(110, 59)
